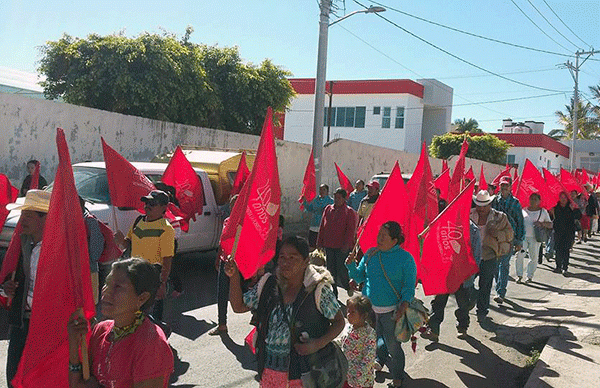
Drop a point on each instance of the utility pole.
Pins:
(329, 114)
(574, 70)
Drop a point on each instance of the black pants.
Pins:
(562, 249)
(438, 305)
(16, 343)
(222, 293)
(336, 259)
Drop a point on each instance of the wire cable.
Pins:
(461, 59)
(470, 33)
(538, 27)
(550, 24)
(564, 24)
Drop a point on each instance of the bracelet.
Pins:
(75, 367)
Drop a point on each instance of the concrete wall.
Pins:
(28, 130)
(548, 160)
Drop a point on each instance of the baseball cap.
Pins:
(373, 184)
(505, 181)
(158, 196)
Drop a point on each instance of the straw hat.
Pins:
(483, 198)
(36, 200)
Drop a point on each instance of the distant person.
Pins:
(316, 207)
(566, 214)
(357, 195)
(95, 240)
(366, 205)
(591, 211)
(27, 181)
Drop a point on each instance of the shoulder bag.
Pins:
(542, 234)
(416, 314)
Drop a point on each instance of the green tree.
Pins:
(164, 78)
(483, 147)
(463, 125)
(588, 122)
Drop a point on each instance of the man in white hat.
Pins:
(20, 285)
(496, 238)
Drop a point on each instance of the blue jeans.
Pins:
(394, 356)
(487, 269)
(501, 275)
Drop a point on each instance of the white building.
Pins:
(20, 82)
(508, 126)
(587, 154)
(398, 114)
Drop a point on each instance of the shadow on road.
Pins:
(242, 353)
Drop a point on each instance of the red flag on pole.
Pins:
(251, 233)
(241, 175)
(554, 187)
(126, 183)
(63, 284)
(470, 175)
(571, 183)
(8, 194)
(503, 173)
(309, 183)
(584, 177)
(35, 178)
(387, 208)
(344, 181)
(531, 182)
(442, 182)
(459, 170)
(444, 165)
(482, 182)
(447, 260)
(515, 183)
(189, 191)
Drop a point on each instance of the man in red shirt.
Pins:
(336, 236)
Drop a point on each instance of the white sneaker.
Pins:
(519, 279)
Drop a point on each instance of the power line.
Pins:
(535, 24)
(551, 25)
(564, 24)
(461, 59)
(470, 33)
(509, 73)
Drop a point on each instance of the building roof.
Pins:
(534, 140)
(18, 81)
(376, 86)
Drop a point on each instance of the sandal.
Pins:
(219, 330)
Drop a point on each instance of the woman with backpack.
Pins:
(298, 316)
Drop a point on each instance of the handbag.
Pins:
(415, 316)
(542, 234)
(328, 368)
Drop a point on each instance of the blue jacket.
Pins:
(316, 207)
(355, 198)
(400, 267)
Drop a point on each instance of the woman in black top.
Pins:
(565, 214)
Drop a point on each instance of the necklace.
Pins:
(121, 332)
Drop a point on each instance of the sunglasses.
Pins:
(152, 203)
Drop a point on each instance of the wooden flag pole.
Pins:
(114, 212)
(238, 232)
(85, 358)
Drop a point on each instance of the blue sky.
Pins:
(361, 47)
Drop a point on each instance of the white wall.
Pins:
(548, 160)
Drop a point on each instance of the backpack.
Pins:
(111, 251)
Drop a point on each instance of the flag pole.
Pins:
(238, 232)
(426, 230)
(114, 212)
(85, 358)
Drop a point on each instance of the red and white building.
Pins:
(397, 113)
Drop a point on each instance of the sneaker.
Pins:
(219, 330)
(529, 280)
(565, 273)
(557, 270)
(461, 330)
(498, 299)
(519, 279)
(430, 335)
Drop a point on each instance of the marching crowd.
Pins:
(294, 299)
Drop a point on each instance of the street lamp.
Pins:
(324, 24)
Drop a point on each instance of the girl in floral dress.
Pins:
(360, 344)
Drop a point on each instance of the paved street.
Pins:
(492, 356)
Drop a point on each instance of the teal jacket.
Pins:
(401, 269)
(316, 207)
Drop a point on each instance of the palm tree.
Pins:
(471, 126)
(588, 122)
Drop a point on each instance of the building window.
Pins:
(399, 117)
(386, 119)
(376, 110)
(510, 159)
(349, 117)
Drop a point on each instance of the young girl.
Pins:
(360, 344)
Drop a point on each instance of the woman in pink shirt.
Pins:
(127, 350)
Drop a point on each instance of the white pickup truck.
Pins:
(92, 185)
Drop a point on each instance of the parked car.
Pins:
(92, 184)
(382, 178)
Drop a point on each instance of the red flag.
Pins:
(554, 187)
(387, 208)
(482, 183)
(254, 220)
(126, 183)
(189, 191)
(309, 183)
(8, 194)
(442, 182)
(35, 178)
(533, 182)
(503, 173)
(515, 183)
(570, 182)
(241, 175)
(423, 204)
(584, 177)
(344, 181)
(447, 260)
(63, 284)
(457, 174)
(470, 175)
(444, 165)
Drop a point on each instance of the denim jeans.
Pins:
(501, 275)
(222, 293)
(394, 356)
(438, 305)
(487, 269)
(16, 344)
